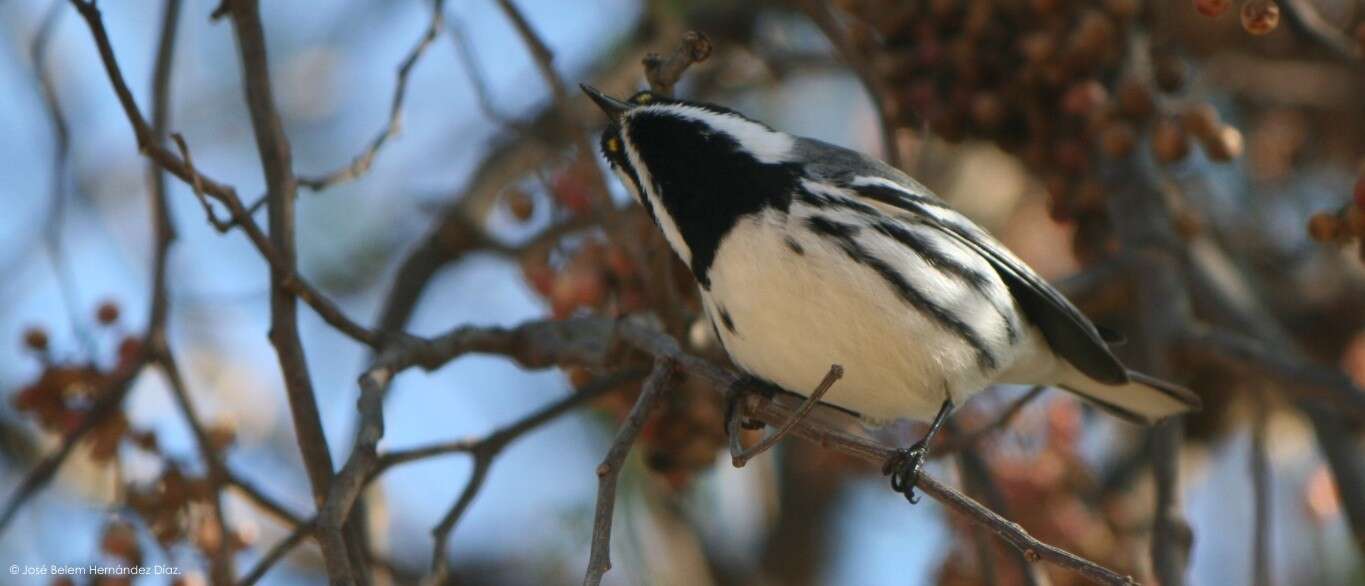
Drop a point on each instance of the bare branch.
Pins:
(224, 194)
(658, 383)
(1001, 421)
(1260, 490)
(362, 162)
(1254, 357)
(1306, 17)
(820, 14)
(474, 72)
(277, 553)
(740, 456)
(663, 73)
(976, 475)
(586, 341)
(276, 159)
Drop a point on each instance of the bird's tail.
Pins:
(1143, 399)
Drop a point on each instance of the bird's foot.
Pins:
(734, 397)
(904, 469)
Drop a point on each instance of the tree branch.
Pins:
(658, 383)
(362, 162)
(663, 73)
(590, 341)
(223, 193)
(282, 186)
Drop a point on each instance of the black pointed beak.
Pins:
(610, 106)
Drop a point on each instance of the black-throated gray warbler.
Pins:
(808, 255)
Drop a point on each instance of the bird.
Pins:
(809, 255)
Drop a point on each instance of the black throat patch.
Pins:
(706, 180)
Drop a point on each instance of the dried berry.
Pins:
(1226, 145)
(988, 111)
(1084, 97)
(1324, 227)
(1169, 143)
(1201, 120)
(1260, 16)
(520, 203)
(1123, 9)
(1135, 99)
(35, 338)
(1118, 140)
(120, 541)
(107, 313)
(1169, 72)
(1212, 8)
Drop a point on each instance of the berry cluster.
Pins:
(176, 506)
(1050, 81)
(66, 390)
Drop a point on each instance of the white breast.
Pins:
(794, 314)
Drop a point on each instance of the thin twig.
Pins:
(151, 147)
(544, 60)
(1246, 354)
(1001, 421)
(362, 162)
(1305, 16)
(819, 13)
(1171, 534)
(484, 449)
(470, 62)
(740, 456)
(1260, 491)
(277, 553)
(976, 475)
(440, 568)
(658, 383)
(664, 73)
(59, 179)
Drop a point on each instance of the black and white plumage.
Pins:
(808, 254)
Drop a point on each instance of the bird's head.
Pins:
(696, 167)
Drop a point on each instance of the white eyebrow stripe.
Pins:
(766, 145)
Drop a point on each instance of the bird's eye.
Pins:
(613, 144)
(643, 98)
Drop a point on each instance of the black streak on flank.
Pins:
(795, 246)
(924, 247)
(706, 181)
(844, 234)
(729, 323)
(821, 201)
(895, 197)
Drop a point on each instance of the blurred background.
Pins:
(1240, 123)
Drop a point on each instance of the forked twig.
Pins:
(664, 72)
(740, 456)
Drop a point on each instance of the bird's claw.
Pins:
(904, 470)
(734, 396)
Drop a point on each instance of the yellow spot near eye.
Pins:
(644, 98)
(613, 144)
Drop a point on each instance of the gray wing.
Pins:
(1070, 334)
